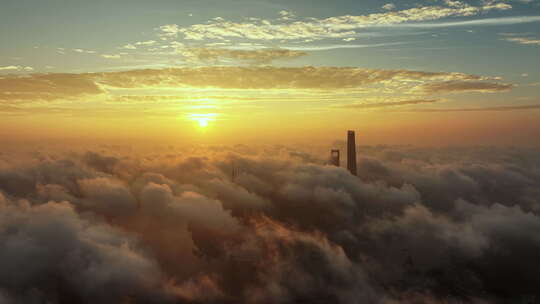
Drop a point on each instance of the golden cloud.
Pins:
(480, 109)
(389, 104)
(457, 86)
(523, 40)
(261, 56)
(327, 80)
(46, 86)
(231, 77)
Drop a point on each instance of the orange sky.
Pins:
(423, 73)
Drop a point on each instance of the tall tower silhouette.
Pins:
(351, 152)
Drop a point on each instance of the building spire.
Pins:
(351, 152)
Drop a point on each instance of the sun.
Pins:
(203, 122)
(202, 119)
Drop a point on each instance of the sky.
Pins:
(177, 151)
(408, 72)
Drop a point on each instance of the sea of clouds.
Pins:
(271, 224)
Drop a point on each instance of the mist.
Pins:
(269, 224)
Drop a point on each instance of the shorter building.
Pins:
(334, 158)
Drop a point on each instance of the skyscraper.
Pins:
(351, 152)
(334, 158)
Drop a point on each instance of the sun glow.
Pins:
(202, 120)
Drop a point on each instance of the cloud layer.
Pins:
(316, 29)
(38, 87)
(417, 226)
(453, 86)
(261, 56)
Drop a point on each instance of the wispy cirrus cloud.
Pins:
(479, 109)
(389, 6)
(38, 87)
(84, 51)
(477, 22)
(458, 86)
(111, 56)
(16, 68)
(147, 42)
(258, 56)
(336, 83)
(268, 77)
(524, 39)
(340, 46)
(316, 29)
(374, 105)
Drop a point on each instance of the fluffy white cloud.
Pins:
(109, 56)
(389, 6)
(84, 51)
(129, 46)
(523, 40)
(16, 68)
(313, 28)
(148, 42)
(162, 227)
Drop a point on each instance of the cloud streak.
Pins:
(478, 22)
(157, 91)
(260, 56)
(316, 29)
(523, 40)
(388, 104)
(46, 86)
(340, 46)
(482, 109)
(313, 78)
(457, 86)
(10, 68)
